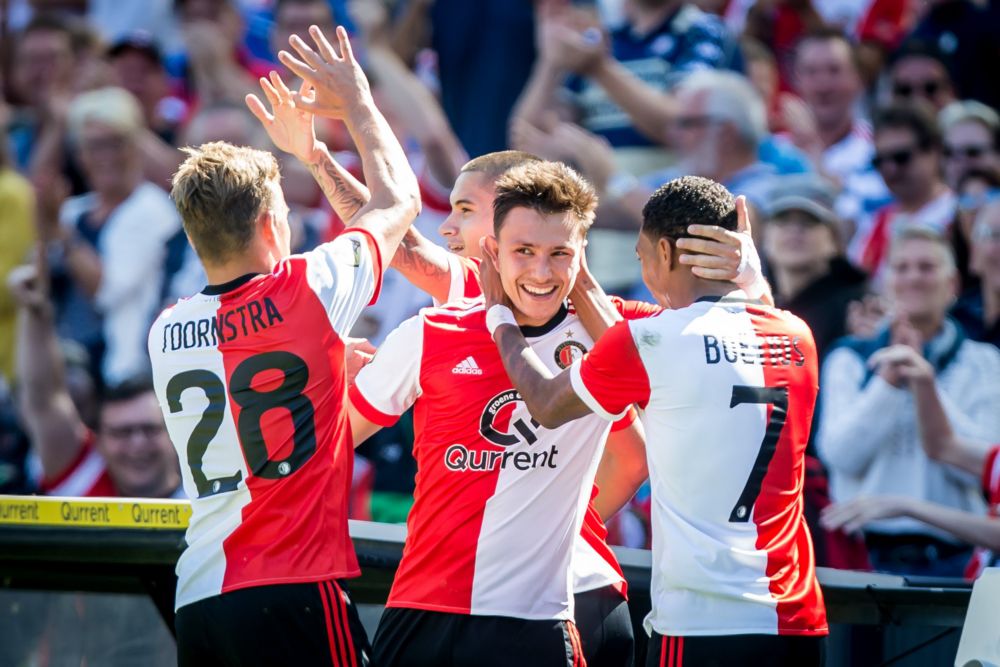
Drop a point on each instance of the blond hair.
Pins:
(114, 107)
(546, 187)
(220, 190)
(928, 235)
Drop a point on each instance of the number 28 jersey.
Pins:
(727, 390)
(250, 378)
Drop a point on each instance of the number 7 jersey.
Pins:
(727, 390)
(250, 378)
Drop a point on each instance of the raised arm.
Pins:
(54, 425)
(340, 90)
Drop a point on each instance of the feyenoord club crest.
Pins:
(568, 352)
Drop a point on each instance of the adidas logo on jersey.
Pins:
(467, 366)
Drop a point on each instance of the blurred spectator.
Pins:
(976, 188)
(919, 71)
(216, 66)
(293, 17)
(908, 155)
(17, 235)
(971, 131)
(116, 20)
(138, 67)
(780, 25)
(966, 32)
(868, 435)
(941, 444)
(110, 243)
(810, 276)
(42, 80)
(827, 78)
(979, 309)
(129, 454)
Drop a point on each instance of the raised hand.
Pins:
(717, 253)
(337, 79)
(290, 127)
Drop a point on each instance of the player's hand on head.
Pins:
(853, 515)
(289, 126)
(340, 84)
(489, 276)
(715, 253)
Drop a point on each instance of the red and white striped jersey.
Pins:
(983, 558)
(250, 378)
(500, 500)
(727, 391)
(595, 565)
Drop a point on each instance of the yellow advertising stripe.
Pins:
(94, 513)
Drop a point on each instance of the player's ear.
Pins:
(267, 225)
(665, 252)
(491, 250)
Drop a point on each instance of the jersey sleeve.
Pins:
(611, 377)
(390, 383)
(635, 310)
(464, 273)
(630, 416)
(346, 275)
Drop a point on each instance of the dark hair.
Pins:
(988, 176)
(916, 118)
(547, 187)
(47, 22)
(919, 48)
(828, 34)
(495, 165)
(688, 200)
(126, 390)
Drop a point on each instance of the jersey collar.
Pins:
(542, 329)
(222, 288)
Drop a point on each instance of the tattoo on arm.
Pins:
(345, 197)
(416, 261)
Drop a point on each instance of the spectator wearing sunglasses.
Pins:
(920, 71)
(908, 155)
(970, 131)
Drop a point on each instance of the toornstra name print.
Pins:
(249, 318)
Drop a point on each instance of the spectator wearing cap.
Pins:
(108, 245)
(971, 131)
(908, 156)
(919, 71)
(868, 432)
(802, 247)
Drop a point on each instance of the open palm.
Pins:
(289, 126)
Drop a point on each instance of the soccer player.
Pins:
(727, 389)
(941, 444)
(250, 377)
(485, 576)
(449, 275)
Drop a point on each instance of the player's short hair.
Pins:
(548, 188)
(495, 165)
(916, 118)
(688, 200)
(111, 106)
(220, 190)
(929, 235)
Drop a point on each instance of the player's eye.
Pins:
(523, 251)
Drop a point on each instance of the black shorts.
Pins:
(605, 628)
(415, 637)
(287, 624)
(728, 650)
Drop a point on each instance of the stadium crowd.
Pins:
(864, 136)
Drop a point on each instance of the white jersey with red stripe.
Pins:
(982, 557)
(727, 390)
(250, 378)
(499, 501)
(594, 565)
